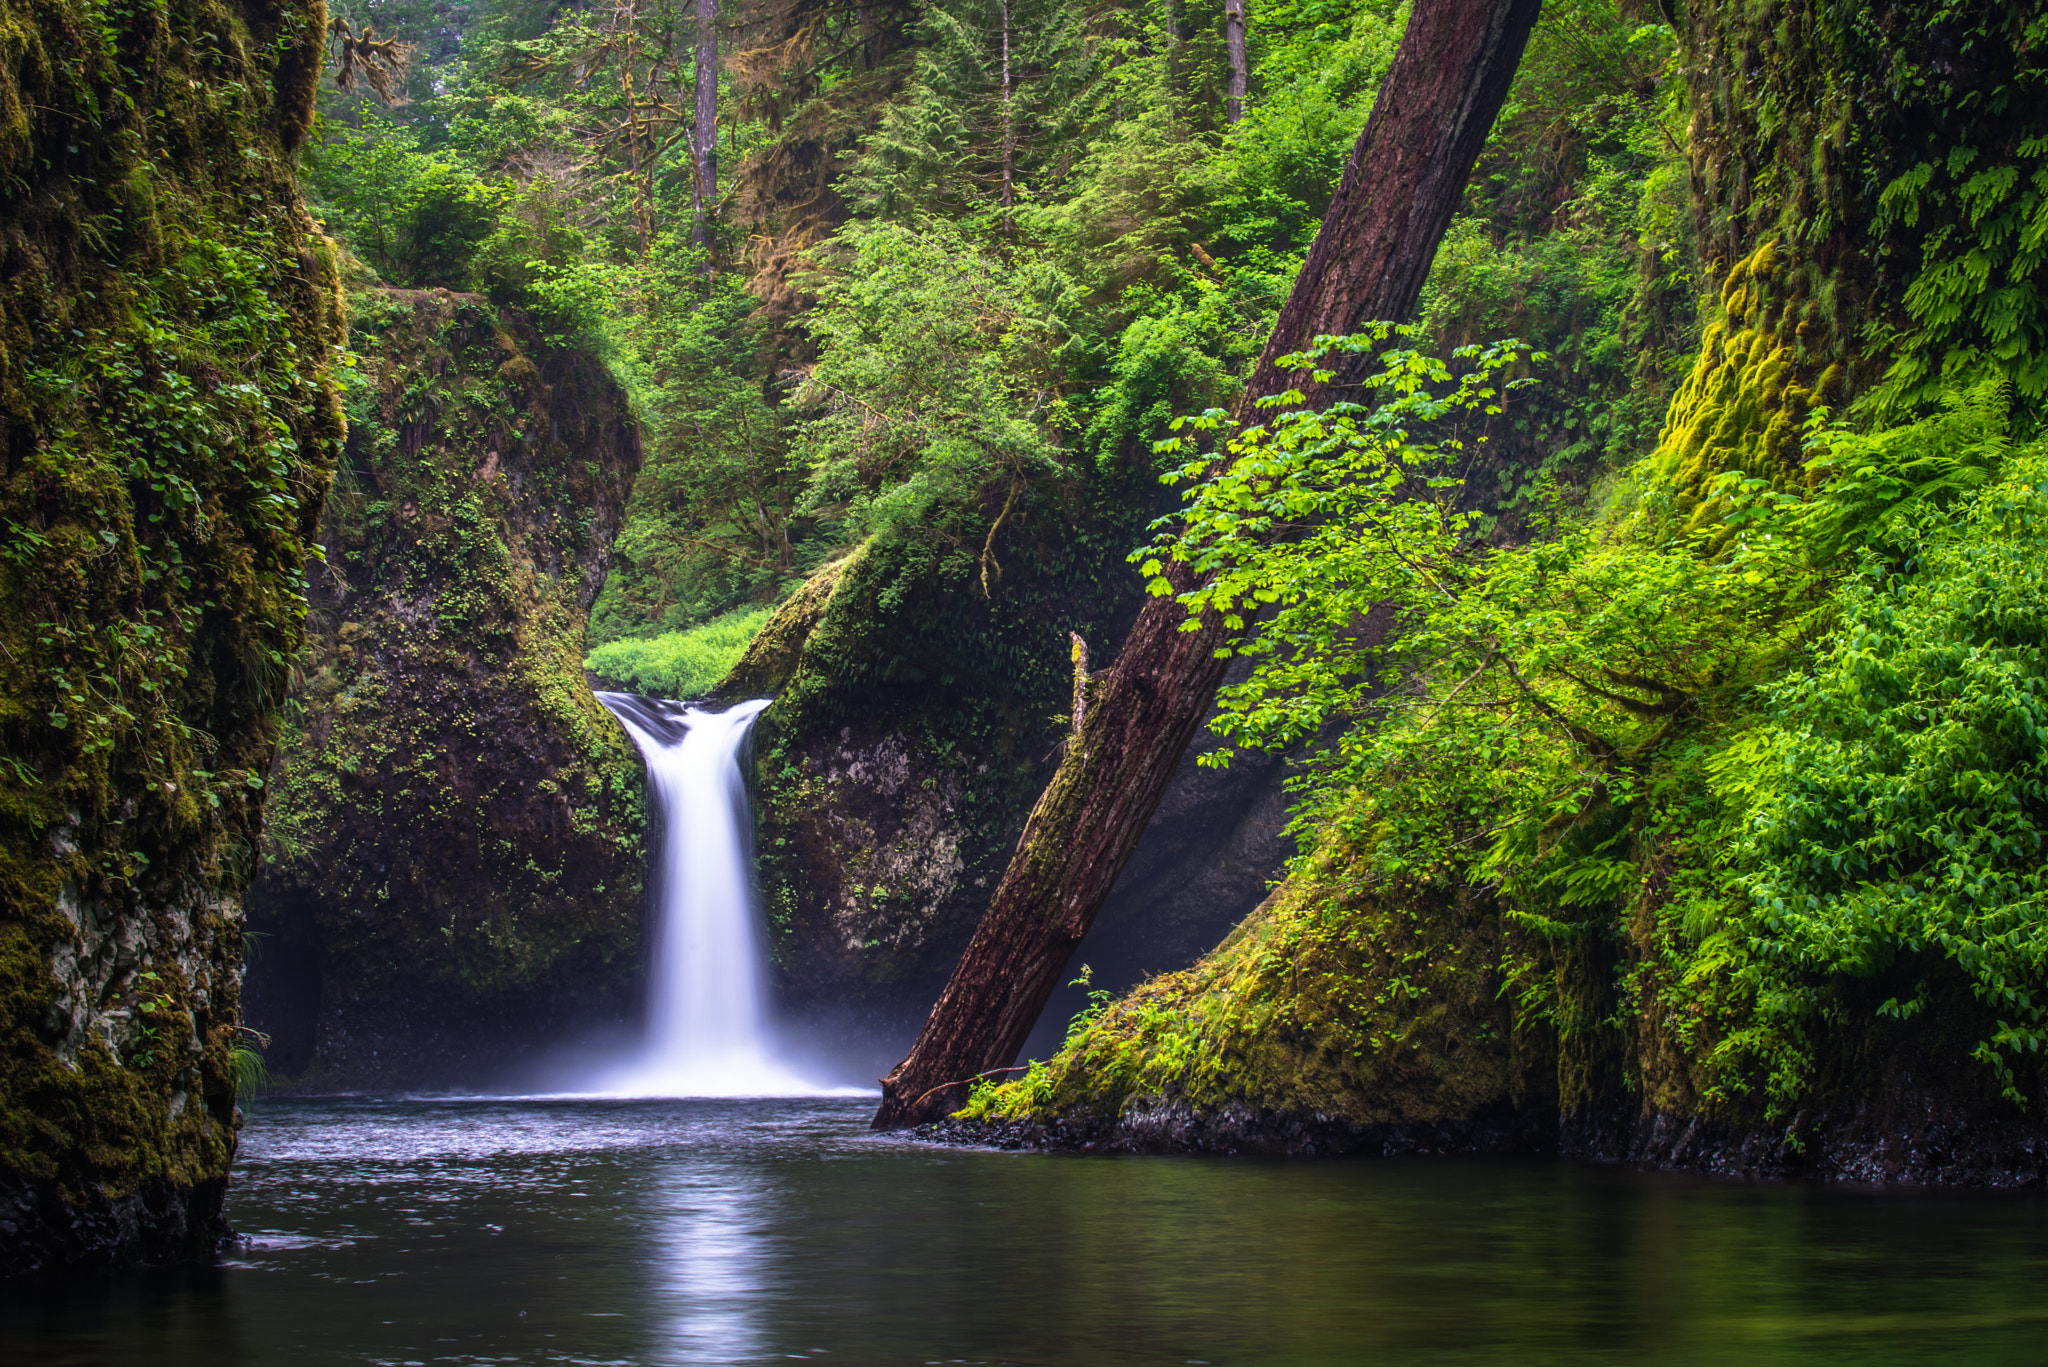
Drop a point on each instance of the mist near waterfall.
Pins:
(711, 1029)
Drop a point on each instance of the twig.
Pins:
(966, 1082)
(988, 547)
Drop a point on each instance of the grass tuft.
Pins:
(680, 664)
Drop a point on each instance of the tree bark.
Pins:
(1009, 134)
(1399, 189)
(1233, 42)
(704, 131)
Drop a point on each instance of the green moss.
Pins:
(166, 332)
(1743, 408)
(1336, 998)
(457, 820)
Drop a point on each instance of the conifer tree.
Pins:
(981, 122)
(1233, 38)
(704, 130)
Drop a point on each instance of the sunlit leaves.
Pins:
(1900, 804)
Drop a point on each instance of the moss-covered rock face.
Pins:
(1743, 408)
(881, 822)
(1331, 1019)
(1352, 1015)
(168, 322)
(1891, 152)
(914, 725)
(454, 874)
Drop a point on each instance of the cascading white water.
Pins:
(709, 1028)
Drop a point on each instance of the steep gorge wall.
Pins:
(169, 317)
(454, 875)
(888, 806)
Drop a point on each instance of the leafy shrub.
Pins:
(1901, 787)
(418, 217)
(680, 664)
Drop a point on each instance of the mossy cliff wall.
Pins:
(1352, 1014)
(454, 875)
(169, 319)
(914, 725)
(1869, 187)
(911, 726)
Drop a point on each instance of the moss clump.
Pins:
(168, 318)
(457, 827)
(1356, 1003)
(1743, 408)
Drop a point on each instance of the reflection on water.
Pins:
(645, 1234)
(711, 1264)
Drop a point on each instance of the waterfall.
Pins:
(710, 1030)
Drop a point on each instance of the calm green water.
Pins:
(434, 1231)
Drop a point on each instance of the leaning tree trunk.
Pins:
(1395, 200)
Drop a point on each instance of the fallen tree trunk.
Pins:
(1399, 189)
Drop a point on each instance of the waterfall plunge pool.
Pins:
(650, 1233)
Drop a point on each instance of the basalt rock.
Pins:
(454, 877)
(168, 422)
(882, 830)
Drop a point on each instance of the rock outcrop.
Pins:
(882, 830)
(169, 316)
(454, 876)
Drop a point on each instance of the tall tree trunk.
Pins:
(1233, 41)
(1399, 189)
(704, 132)
(1169, 23)
(1009, 133)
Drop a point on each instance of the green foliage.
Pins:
(1487, 695)
(1070, 319)
(949, 318)
(417, 217)
(680, 664)
(1877, 481)
(252, 1072)
(1594, 105)
(1976, 299)
(957, 141)
(1577, 238)
(712, 521)
(1896, 793)
(1318, 63)
(1554, 721)
(937, 384)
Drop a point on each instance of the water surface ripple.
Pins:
(631, 1233)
